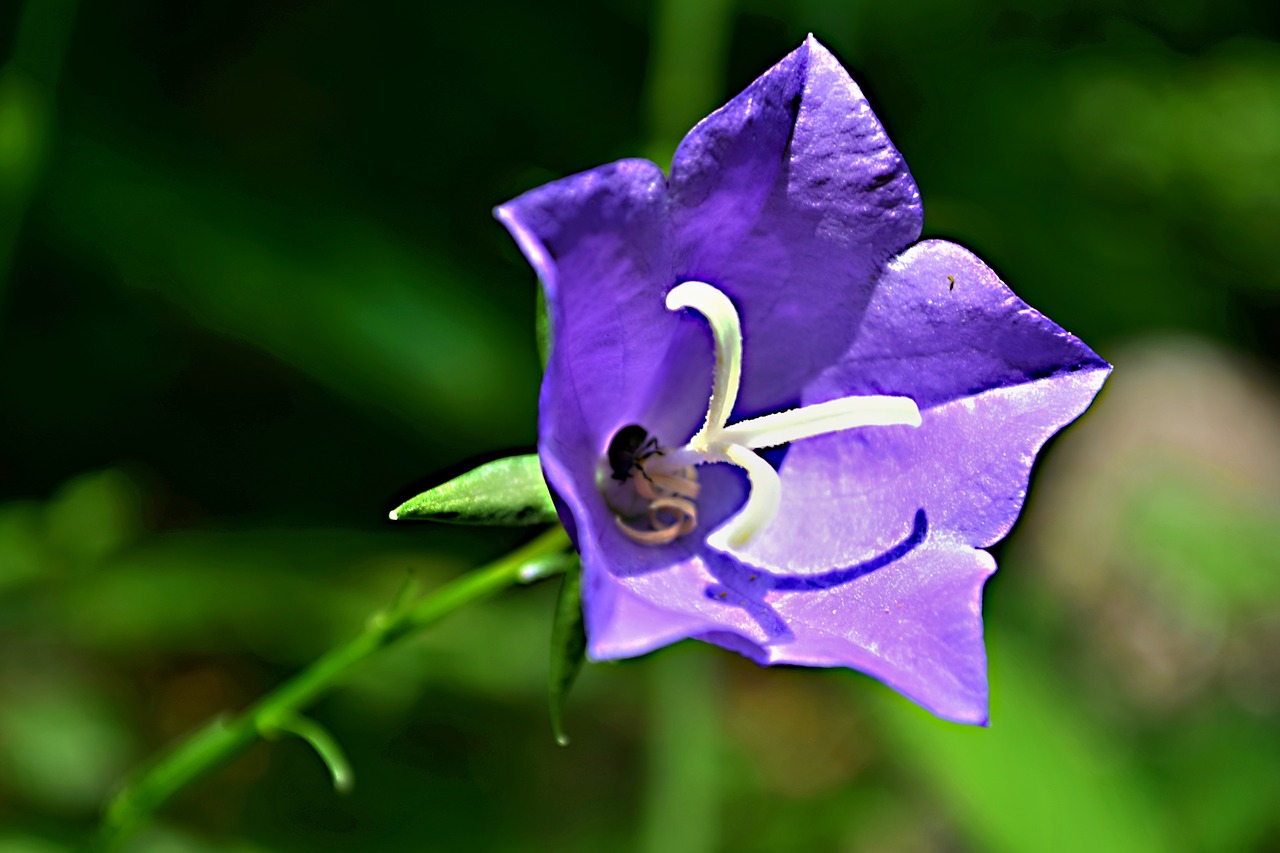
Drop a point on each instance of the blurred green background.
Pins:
(251, 297)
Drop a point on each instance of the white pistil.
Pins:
(673, 486)
(762, 501)
(727, 332)
(822, 418)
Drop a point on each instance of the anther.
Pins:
(681, 517)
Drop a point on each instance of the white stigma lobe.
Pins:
(719, 441)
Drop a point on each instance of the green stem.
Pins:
(681, 811)
(323, 743)
(226, 737)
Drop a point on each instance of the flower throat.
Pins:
(664, 479)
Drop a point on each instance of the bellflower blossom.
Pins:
(770, 293)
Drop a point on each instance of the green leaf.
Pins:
(507, 492)
(568, 647)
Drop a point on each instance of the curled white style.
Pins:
(672, 510)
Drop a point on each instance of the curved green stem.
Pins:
(226, 737)
(325, 745)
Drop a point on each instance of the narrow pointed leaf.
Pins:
(508, 492)
(568, 648)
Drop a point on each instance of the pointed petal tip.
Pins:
(974, 711)
(816, 49)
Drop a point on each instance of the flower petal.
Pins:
(600, 243)
(789, 199)
(649, 612)
(966, 465)
(943, 326)
(632, 594)
(916, 625)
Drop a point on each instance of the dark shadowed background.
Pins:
(252, 296)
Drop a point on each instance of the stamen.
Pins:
(822, 418)
(644, 487)
(722, 317)
(663, 536)
(684, 521)
(683, 482)
(686, 514)
(762, 503)
(685, 485)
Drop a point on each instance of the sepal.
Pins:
(506, 492)
(568, 648)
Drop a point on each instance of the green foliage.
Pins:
(568, 649)
(1040, 778)
(507, 491)
(319, 739)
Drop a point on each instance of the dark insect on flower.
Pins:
(630, 446)
(670, 491)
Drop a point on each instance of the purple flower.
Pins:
(768, 295)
